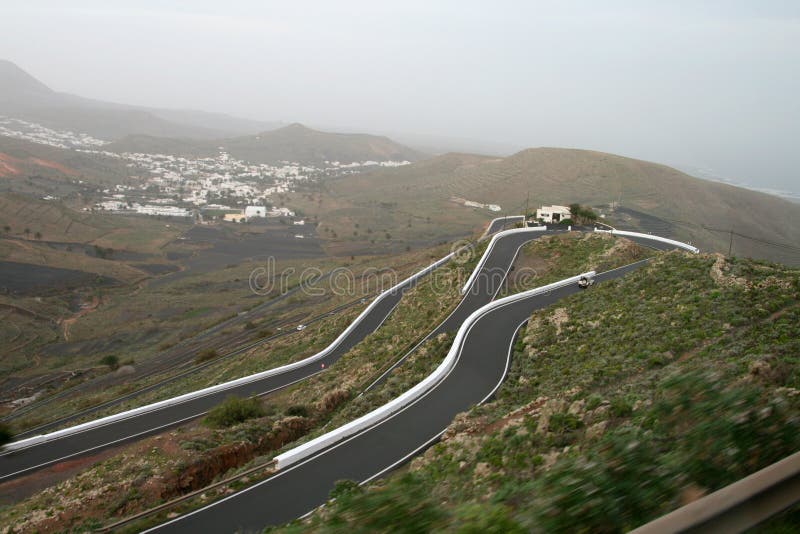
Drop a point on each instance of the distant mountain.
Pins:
(290, 143)
(650, 195)
(174, 146)
(185, 132)
(18, 88)
(23, 96)
(299, 143)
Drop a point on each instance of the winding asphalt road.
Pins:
(503, 223)
(480, 369)
(18, 462)
(298, 489)
(21, 461)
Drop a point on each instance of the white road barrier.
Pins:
(42, 438)
(36, 440)
(409, 397)
(489, 248)
(624, 233)
(506, 218)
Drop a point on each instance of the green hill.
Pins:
(683, 204)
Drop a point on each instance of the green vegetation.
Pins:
(631, 370)
(581, 214)
(234, 410)
(5, 434)
(620, 405)
(206, 355)
(298, 410)
(111, 361)
(552, 258)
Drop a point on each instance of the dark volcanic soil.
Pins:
(26, 279)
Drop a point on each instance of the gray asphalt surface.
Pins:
(20, 462)
(299, 489)
(16, 463)
(486, 285)
(504, 224)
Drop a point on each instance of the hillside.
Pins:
(290, 143)
(622, 403)
(24, 158)
(682, 204)
(25, 97)
(299, 143)
(175, 146)
(57, 223)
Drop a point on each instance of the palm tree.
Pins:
(6, 228)
(27, 231)
(38, 235)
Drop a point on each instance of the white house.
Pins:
(255, 211)
(553, 214)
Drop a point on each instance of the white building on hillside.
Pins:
(255, 211)
(553, 214)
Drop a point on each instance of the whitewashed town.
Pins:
(179, 186)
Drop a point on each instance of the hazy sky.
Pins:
(713, 85)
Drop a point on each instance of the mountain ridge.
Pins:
(186, 132)
(293, 142)
(26, 97)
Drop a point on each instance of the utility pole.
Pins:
(730, 245)
(527, 201)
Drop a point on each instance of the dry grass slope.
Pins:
(555, 175)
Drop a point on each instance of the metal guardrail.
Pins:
(36, 440)
(623, 233)
(381, 413)
(489, 248)
(506, 220)
(739, 506)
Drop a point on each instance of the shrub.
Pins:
(234, 410)
(206, 355)
(405, 507)
(345, 488)
(487, 519)
(5, 434)
(564, 422)
(111, 361)
(297, 410)
(621, 407)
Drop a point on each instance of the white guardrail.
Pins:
(489, 248)
(491, 223)
(624, 233)
(42, 438)
(409, 397)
